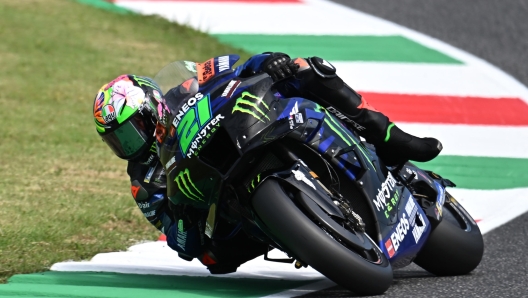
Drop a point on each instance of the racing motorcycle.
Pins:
(291, 175)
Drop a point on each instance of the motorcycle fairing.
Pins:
(310, 192)
(432, 187)
(214, 66)
(344, 149)
(252, 116)
(249, 116)
(194, 183)
(407, 236)
(440, 200)
(330, 139)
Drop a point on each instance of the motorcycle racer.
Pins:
(127, 112)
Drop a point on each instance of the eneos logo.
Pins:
(400, 232)
(194, 116)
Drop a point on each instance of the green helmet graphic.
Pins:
(124, 116)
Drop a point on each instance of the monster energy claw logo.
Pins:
(144, 81)
(246, 100)
(253, 185)
(187, 187)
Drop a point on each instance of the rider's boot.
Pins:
(318, 81)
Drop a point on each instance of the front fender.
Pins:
(300, 178)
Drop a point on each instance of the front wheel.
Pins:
(363, 272)
(455, 246)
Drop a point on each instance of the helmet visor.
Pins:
(130, 139)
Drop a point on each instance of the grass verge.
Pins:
(63, 195)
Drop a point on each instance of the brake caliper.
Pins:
(354, 221)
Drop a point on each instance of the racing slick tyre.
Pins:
(365, 272)
(455, 246)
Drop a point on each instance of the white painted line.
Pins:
(261, 18)
(421, 78)
(313, 287)
(490, 208)
(493, 207)
(502, 78)
(159, 259)
(475, 140)
(254, 18)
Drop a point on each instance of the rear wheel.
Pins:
(333, 252)
(455, 246)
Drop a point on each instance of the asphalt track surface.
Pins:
(496, 31)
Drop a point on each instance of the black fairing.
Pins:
(232, 133)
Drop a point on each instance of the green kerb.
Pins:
(103, 4)
(103, 285)
(473, 172)
(392, 48)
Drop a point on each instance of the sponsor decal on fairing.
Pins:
(230, 89)
(411, 172)
(143, 205)
(295, 115)
(204, 134)
(418, 230)
(411, 209)
(187, 187)
(223, 63)
(194, 122)
(150, 213)
(301, 177)
(383, 199)
(400, 232)
(170, 163)
(390, 248)
(249, 104)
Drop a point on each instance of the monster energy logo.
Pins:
(253, 184)
(187, 187)
(244, 104)
(146, 82)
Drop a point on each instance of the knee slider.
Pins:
(322, 67)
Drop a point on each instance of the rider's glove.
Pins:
(279, 66)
